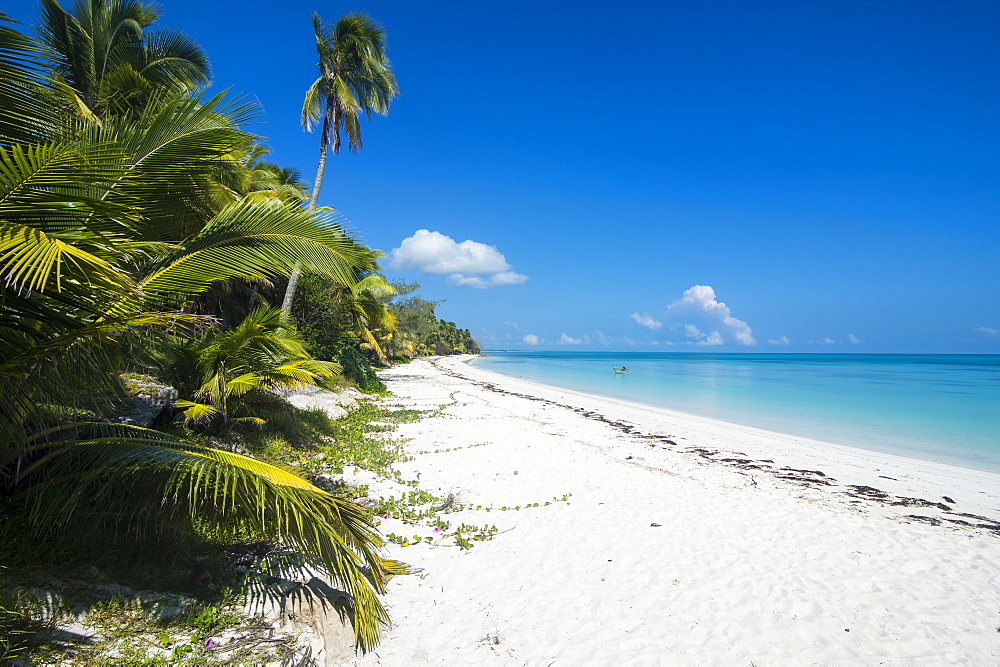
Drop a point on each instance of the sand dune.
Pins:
(684, 540)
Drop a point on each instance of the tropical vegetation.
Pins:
(144, 235)
(355, 76)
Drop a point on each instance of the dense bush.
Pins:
(356, 367)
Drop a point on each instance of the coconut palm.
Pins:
(96, 265)
(355, 77)
(108, 64)
(374, 322)
(70, 308)
(262, 352)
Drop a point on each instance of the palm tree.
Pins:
(70, 310)
(105, 234)
(262, 352)
(107, 64)
(355, 76)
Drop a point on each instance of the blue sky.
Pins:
(685, 176)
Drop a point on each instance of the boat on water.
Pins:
(620, 370)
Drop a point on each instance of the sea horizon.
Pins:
(936, 407)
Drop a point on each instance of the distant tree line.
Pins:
(392, 323)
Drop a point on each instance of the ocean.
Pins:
(937, 407)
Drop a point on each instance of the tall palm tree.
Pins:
(355, 76)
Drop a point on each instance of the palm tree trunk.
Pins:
(319, 179)
(293, 280)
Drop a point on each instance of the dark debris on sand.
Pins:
(805, 478)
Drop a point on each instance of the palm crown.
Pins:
(355, 76)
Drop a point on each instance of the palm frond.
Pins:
(143, 473)
(197, 413)
(176, 152)
(31, 258)
(28, 113)
(257, 240)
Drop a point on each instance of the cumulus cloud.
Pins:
(531, 339)
(784, 340)
(828, 341)
(987, 330)
(646, 320)
(601, 337)
(714, 338)
(496, 280)
(699, 309)
(433, 252)
(568, 340)
(854, 339)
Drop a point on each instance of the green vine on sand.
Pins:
(364, 440)
(453, 449)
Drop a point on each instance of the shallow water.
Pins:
(935, 407)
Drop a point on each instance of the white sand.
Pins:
(743, 567)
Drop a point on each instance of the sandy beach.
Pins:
(677, 540)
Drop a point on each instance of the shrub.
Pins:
(357, 368)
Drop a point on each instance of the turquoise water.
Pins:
(935, 407)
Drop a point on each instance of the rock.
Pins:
(345, 401)
(231, 445)
(312, 398)
(149, 399)
(47, 603)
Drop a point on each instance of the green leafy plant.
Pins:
(113, 224)
(260, 353)
(357, 367)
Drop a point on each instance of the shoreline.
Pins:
(898, 443)
(677, 539)
(801, 451)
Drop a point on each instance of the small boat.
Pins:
(620, 370)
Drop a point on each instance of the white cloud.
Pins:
(433, 252)
(646, 320)
(496, 280)
(823, 341)
(531, 339)
(567, 340)
(602, 338)
(854, 339)
(784, 340)
(698, 307)
(987, 330)
(714, 338)
(691, 331)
